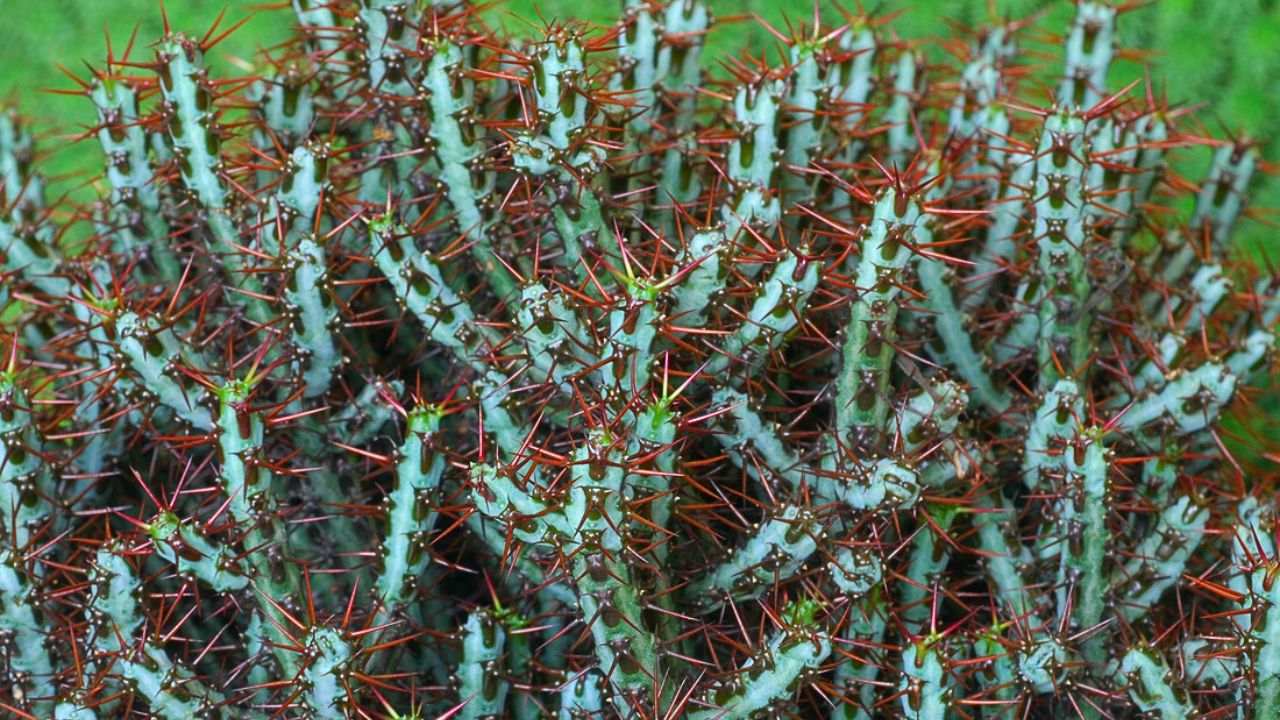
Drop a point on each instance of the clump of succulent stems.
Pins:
(427, 371)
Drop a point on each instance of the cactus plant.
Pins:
(426, 371)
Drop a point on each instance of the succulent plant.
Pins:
(427, 371)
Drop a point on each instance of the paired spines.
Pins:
(1062, 236)
(1149, 686)
(411, 513)
(286, 101)
(687, 23)
(390, 34)
(773, 314)
(1162, 556)
(320, 27)
(245, 478)
(753, 162)
(24, 189)
(1254, 563)
(26, 480)
(764, 682)
(459, 147)
(887, 246)
(779, 548)
(195, 137)
(153, 352)
(147, 669)
(1090, 48)
(585, 527)
(925, 686)
(27, 246)
(417, 278)
(134, 220)
(482, 693)
(193, 121)
(24, 628)
(298, 230)
(1222, 197)
(194, 556)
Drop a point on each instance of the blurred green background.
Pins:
(1225, 53)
